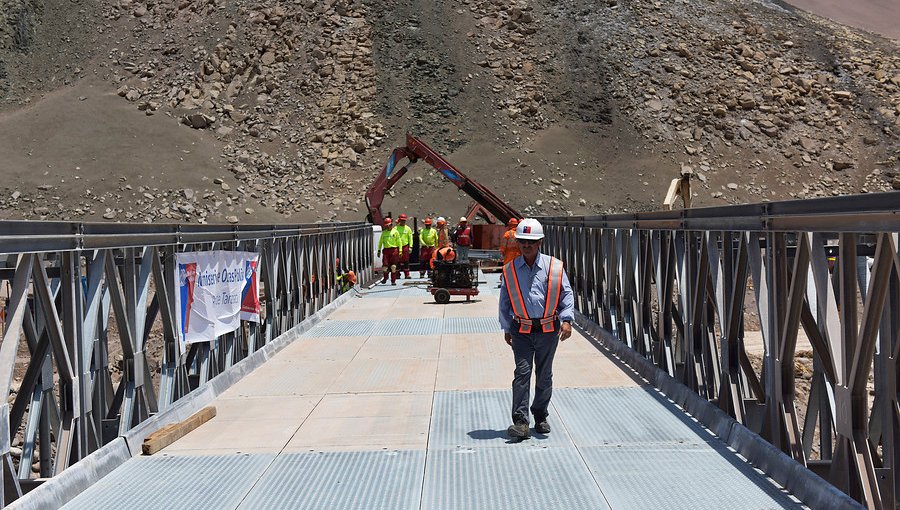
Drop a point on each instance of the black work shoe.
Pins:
(542, 427)
(519, 431)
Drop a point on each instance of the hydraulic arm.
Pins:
(416, 150)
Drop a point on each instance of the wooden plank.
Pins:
(175, 431)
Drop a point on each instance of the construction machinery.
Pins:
(487, 204)
(453, 278)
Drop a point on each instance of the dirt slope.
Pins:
(237, 110)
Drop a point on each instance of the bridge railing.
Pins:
(89, 344)
(684, 288)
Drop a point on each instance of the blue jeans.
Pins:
(533, 351)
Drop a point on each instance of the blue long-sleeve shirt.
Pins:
(533, 283)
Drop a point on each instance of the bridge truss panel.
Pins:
(89, 347)
(683, 288)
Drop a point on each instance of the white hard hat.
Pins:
(529, 228)
(441, 219)
(463, 218)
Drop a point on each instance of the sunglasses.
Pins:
(527, 242)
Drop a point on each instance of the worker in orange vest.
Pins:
(537, 308)
(443, 233)
(509, 248)
(445, 254)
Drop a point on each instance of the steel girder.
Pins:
(74, 293)
(678, 287)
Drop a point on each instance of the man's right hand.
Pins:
(508, 338)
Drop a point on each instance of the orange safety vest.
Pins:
(554, 290)
(443, 237)
(443, 254)
(509, 247)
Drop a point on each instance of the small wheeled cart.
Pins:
(453, 279)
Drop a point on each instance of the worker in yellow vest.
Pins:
(389, 244)
(428, 238)
(537, 308)
(406, 244)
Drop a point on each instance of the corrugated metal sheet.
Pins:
(463, 325)
(341, 328)
(374, 480)
(509, 479)
(174, 482)
(480, 419)
(689, 477)
(604, 416)
(408, 327)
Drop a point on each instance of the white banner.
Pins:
(214, 291)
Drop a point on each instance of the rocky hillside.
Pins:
(239, 110)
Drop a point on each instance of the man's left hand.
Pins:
(565, 331)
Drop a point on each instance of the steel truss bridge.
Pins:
(741, 356)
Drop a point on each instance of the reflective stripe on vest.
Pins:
(463, 237)
(554, 289)
(515, 298)
(443, 237)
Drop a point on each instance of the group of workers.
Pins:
(436, 243)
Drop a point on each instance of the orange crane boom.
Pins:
(416, 150)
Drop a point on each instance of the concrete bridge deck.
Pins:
(395, 402)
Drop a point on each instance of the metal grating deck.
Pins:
(174, 482)
(405, 327)
(408, 327)
(480, 419)
(688, 477)
(509, 478)
(466, 325)
(604, 416)
(612, 447)
(341, 328)
(379, 480)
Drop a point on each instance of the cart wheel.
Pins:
(442, 296)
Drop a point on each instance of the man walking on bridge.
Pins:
(536, 312)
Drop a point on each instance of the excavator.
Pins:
(486, 203)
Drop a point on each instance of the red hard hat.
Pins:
(402, 217)
(512, 222)
(428, 221)
(387, 221)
